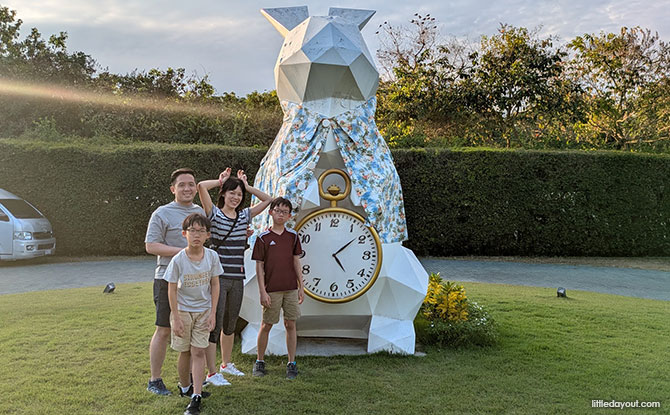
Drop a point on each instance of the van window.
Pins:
(20, 209)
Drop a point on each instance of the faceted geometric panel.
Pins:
(276, 340)
(296, 57)
(331, 81)
(311, 198)
(353, 35)
(367, 78)
(320, 42)
(249, 338)
(356, 16)
(331, 57)
(292, 81)
(284, 19)
(251, 309)
(396, 300)
(313, 28)
(330, 38)
(401, 285)
(391, 335)
(349, 55)
(403, 266)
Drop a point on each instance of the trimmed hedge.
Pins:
(496, 202)
(457, 202)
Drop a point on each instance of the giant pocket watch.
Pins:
(342, 255)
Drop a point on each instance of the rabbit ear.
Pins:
(284, 19)
(356, 16)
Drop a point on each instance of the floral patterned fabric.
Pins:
(288, 167)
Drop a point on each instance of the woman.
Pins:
(229, 236)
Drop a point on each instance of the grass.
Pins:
(84, 352)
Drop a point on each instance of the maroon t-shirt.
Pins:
(276, 252)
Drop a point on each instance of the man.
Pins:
(164, 239)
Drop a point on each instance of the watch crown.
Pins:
(334, 189)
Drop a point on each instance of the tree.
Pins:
(522, 84)
(623, 74)
(419, 95)
(35, 60)
(511, 91)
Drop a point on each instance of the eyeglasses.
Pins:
(281, 211)
(197, 231)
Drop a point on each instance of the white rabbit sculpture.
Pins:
(326, 82)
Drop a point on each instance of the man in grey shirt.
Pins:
(164, 239)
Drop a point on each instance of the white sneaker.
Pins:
(231, 370)
(217, 379)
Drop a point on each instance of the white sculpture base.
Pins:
(384, 315)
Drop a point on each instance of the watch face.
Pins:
(342, 256)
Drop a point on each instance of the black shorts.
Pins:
(162, 302)
(228, 308)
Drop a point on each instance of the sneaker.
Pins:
(216, 379)
(158, 387)
(259, 369)
(189, 392)
(231, 370)
(291, 371)
(193, 407)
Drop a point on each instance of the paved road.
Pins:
(622, 281)
(18, 278)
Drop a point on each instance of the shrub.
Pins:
(457, 202)
(546, 203)
(448, 318)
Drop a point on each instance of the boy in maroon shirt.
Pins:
(277, 255)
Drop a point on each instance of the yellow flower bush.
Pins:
(445, 300)
(448, 318)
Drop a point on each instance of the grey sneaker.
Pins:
(259, 369)
(158, 387)
(291, 371)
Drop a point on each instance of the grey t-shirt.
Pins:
(165, 228)
(193, 280)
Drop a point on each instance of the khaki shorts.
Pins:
(196, 332)
(288, 300)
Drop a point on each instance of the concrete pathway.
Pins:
(17, 277)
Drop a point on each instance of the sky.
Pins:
(236, 47)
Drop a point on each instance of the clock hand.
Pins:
(338, 262)
(342, 249)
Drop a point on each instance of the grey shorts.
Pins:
(228, 308)
(162, 302)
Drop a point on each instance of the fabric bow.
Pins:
(288, 167)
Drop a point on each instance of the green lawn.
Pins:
(82, 352)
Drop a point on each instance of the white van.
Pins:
(24, 231)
